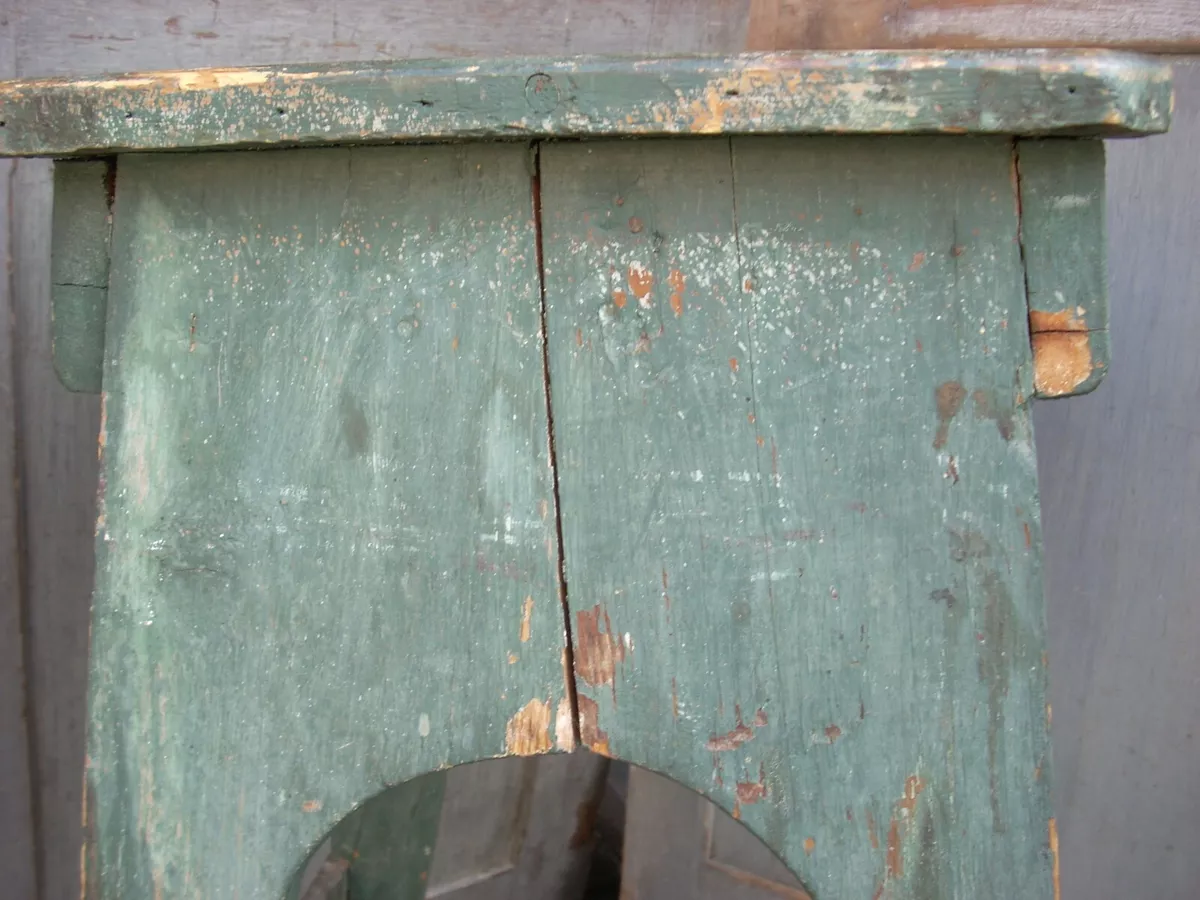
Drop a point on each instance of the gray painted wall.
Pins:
(1120, 469)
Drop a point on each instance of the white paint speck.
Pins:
(1072, 201)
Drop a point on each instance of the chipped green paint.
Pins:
(1010, 92)
(790, 379)
(327, 506)
(1062, 232)
(798, 492)
(79, 272)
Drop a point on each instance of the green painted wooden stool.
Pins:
(462, 429)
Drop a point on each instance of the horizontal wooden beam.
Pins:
(1018, 92)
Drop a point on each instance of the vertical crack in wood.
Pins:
(569, 642)
(1016, 183)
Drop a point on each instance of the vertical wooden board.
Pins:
(79, 271)
(326, 545)
(1066, 271)
(58, 476)
(17, 870)
(798, 495)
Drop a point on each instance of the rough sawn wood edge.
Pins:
(1032, 92)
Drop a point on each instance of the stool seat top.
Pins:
(1028, 93)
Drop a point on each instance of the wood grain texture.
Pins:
(1066, 275)
(1119, 587)
(1026, 92)
(798, 495)
(1120, 482)
(58, 473)
(241, 32)
(18, 867)
(327, 489)
(1161, 25)
(67, 36)
(79, 271)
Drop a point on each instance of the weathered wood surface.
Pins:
(18, 870)
(298, 30)
(1120, 483)
(327, 553)
(79, 271)
(798, 495)
(1066, 276)
(1119, 587)
(58, 478)
(1142, 24)
(1015, 92)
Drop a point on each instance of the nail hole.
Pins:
(280, 111)
(733, 92)
(1070, 89)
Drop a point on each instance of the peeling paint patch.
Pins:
(564, 731)
(528, 731)
(1062, 361)
(731, 740)
(1054, 873)
(948, 399)
(526, 619)
(640, 281)
(741, 732)
(832, 733)
(904, 813)
(597, 648)
(678, 284)
(750, 792)
(590, 733)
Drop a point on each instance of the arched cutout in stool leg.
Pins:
(536, 828)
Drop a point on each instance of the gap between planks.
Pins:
(535, 181)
